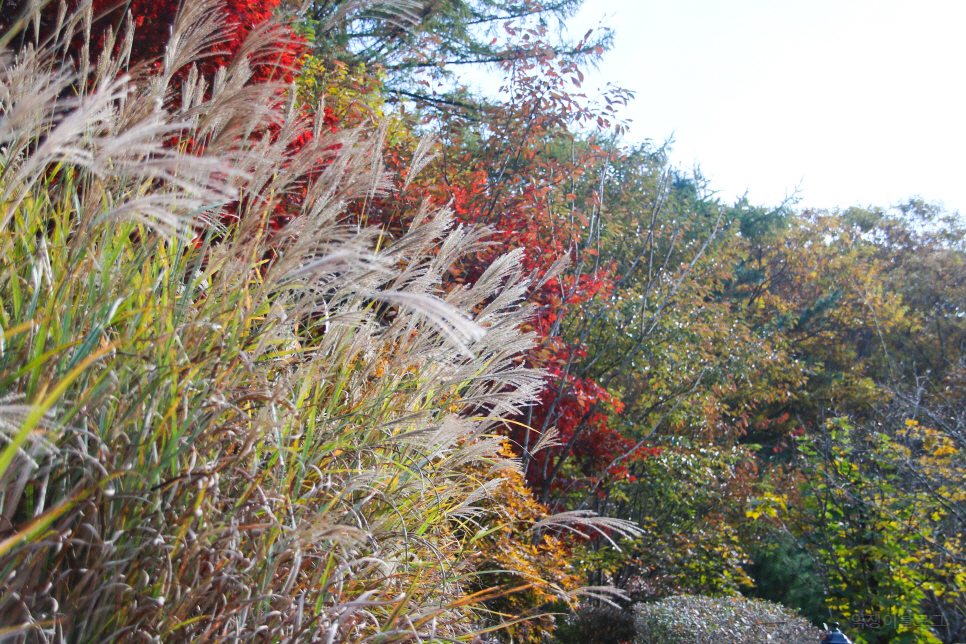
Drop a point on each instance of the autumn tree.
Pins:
(416, 46)
(149, 23)
(879, 537)
(509, 166)
(682, 331)
(923, 250)
(873, 493)
(689, 498)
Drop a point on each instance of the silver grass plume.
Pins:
(324, 445)
(581, 522)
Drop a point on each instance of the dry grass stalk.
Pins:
(211, 432)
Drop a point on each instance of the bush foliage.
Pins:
(693, 619)
(596, 624)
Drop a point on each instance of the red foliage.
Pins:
(514, 177)
(153, 20)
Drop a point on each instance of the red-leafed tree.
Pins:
(520, 168)
(238, 28)
(152, 22)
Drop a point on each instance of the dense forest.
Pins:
(302, 340)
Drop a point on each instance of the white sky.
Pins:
(853, 101)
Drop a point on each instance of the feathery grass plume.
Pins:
(228, 432)
(579, 521)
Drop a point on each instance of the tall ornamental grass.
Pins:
(218, 424)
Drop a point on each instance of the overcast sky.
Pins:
(850, 101)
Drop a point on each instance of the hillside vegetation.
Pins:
(302, 341)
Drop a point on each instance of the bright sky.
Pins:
(854, 102)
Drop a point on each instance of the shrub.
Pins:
(784, 573)
(692, 619)
(596, 624)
